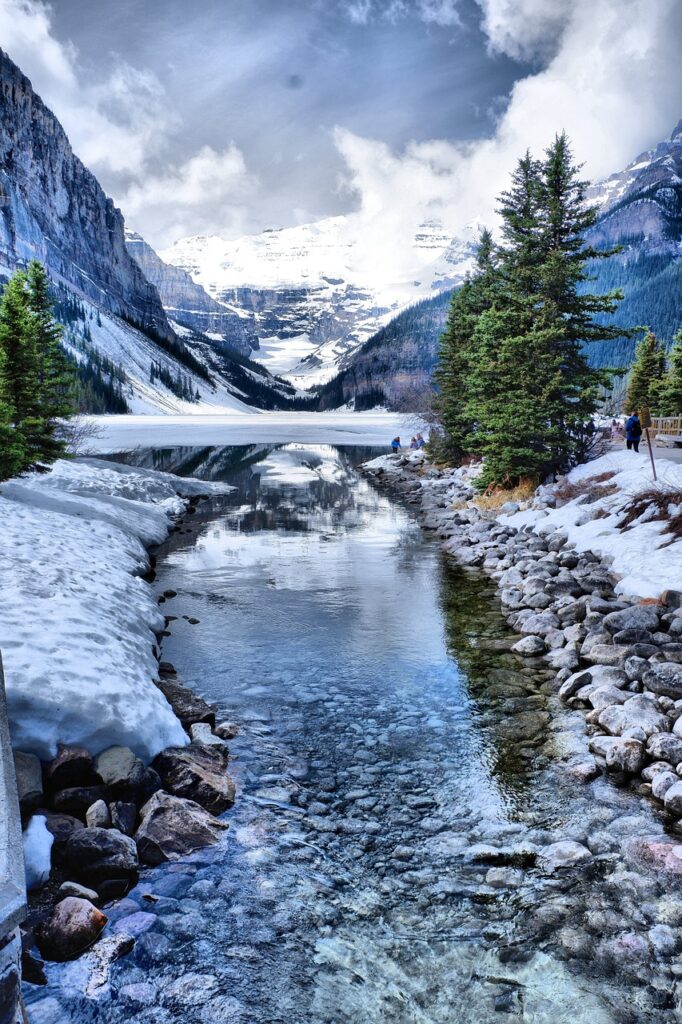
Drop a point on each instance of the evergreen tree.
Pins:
(55, 398)
(457, 354)
(670, 396)
(646, 381)
(12, 452)
(20, 373)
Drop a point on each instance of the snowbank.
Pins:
(76, 620)
(648, 560)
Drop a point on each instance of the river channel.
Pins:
(388, 740)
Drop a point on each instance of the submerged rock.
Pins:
(564, 854)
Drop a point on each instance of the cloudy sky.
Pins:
(228, 116)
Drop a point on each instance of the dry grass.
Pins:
(493, 499)
(592, 488)
(654, 505)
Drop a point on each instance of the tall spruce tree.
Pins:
(456, 354)
(20, 373)
(670, 395)
(647, 376)
(55, 383)
(12, 449)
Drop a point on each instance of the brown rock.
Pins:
(74, 925)
(198, 773)
(172, 827)
(73, 766)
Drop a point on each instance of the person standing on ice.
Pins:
(633, 432)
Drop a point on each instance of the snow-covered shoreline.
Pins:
(78, 623)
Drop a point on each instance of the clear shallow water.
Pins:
(386, 730)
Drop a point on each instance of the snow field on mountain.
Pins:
(647, 560)
(77, 622)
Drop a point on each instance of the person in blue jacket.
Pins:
(633, 432)
(395, 445)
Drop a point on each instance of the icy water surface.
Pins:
(388, 739)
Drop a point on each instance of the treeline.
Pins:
(36, 382)
(515, 383)
(179, 383)
(656, 377)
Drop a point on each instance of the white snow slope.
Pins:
(647, 560)
(77, 622)
(321, 290)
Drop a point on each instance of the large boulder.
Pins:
(198, 773)
(664, 678)
(637, 616)
(29, 775)
(73, 766)
(73, 926)
(564, 854)
(96, 856)
(171, 827)
(188, 706)
(539, 623)
(672, 799)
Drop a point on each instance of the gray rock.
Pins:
(639, 711)
(539, 623)
(226, 730)
(198, 773)
(29, 774)
(661, 783)
(665, 678)
(172, 827)
(80, 891)
(504, 878)
(626, 755)
(77, 799)
(673, 799)
(564, 854)
(664, 746)
(633, 636)
(601, 697)
(97, 815)
(201, 733)
(574, 683)
(635, 668)
(607, 654)
(73, 926)
(530, 646)
(636, 616)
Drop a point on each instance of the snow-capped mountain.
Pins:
(314, 295)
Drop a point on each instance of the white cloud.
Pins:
(205, 195)
(114, 124)
(612, 79)
(439, 12)
(119, 125)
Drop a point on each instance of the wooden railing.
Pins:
(667, 425)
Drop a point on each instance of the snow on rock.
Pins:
(647, 560)
(77, 622)
(37, 840)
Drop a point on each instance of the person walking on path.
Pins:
(633, 432)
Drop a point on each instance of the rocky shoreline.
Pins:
(617, 658)
(102, 818)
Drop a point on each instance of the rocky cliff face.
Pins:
(57, 212)
(188, 304)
